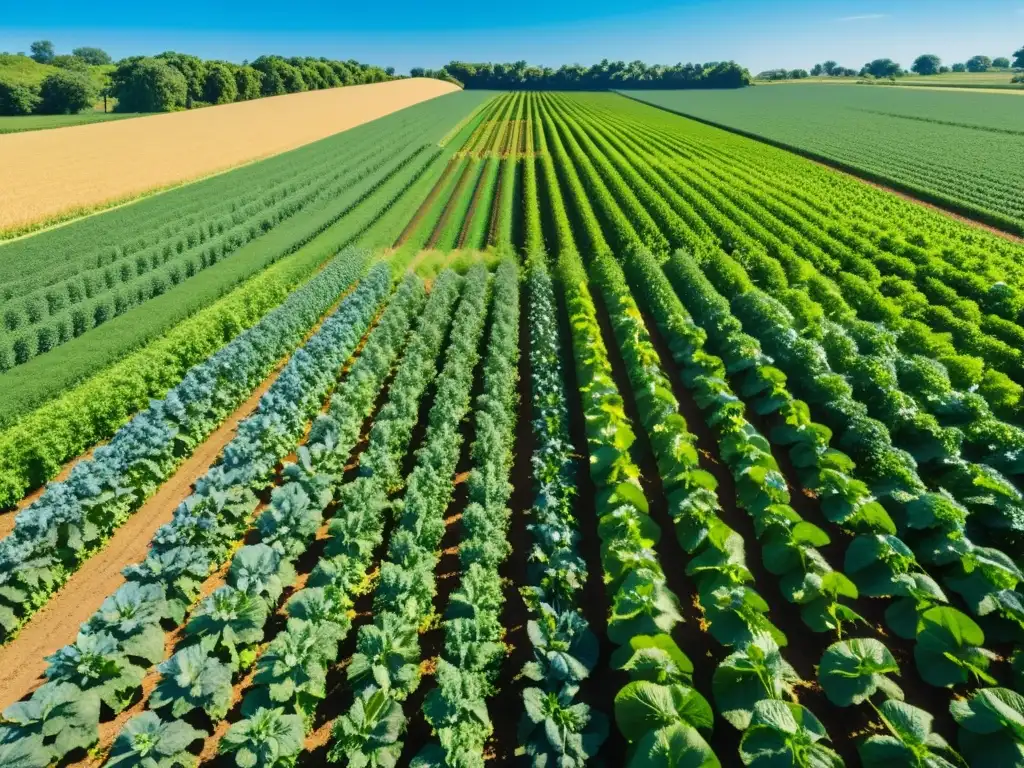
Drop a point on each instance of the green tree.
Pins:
(18, 98)
(278, 76)
(944, 70)
(220, 86)
(94, 56)
(1018, 58)
(978, 64)
(193, 69)
(247, 83)
(830, 67)
(959, 67)
(66, 93)
(42, 51)
(882, 68)
(1001, 63)
(798, 74)
(143, 84)
(70, 62)
(927, 64)
(817, 70)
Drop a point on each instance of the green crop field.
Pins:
(899, 137)
(45, 122)
(567, 431)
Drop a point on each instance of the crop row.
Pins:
(101, 671)
(74, 518)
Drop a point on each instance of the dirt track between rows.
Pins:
(56, 624)
(45, 175)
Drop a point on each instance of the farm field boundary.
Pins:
(961, 206)
(49, 172)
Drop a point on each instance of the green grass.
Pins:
(963, 151)
(993, 79)
(45, 122)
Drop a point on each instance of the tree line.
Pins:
(607, 74)
(926, 64)
(167, 82)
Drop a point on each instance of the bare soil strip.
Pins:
(56, 624)
(44, 174)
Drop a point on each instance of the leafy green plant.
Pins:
(642, 706)
(62, 715)
(949, 648)
(852, 671)
(910, 740)
(148, 742)
(554, 730)
(258, 569)
(96, 663)
(783, 733)
(565, 650)
(655, 658)
(756, 671)
(132, 615)
(991, 726)
(292, 672)
(192, 679)
(369, 734)
(388, 655)
(229, 619)
(28, 752)
(267, 739)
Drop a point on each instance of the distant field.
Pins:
(961, 150)
(44, 122)
(995, 80)
(48, 175)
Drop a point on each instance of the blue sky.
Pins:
(407, 33)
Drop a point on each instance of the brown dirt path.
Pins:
(45, 175)
(56, 624)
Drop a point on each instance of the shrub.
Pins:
(66, 93)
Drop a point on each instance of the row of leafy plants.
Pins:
(386, 668)
(565, 648)
(111, 291)
(74, 518)
(850, 671)
(456, 708)
(102, 670)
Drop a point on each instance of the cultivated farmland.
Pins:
(78, 172)
(898, 138)
(606, 435)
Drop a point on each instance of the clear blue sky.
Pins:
(407, 33)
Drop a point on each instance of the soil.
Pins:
(450, 204)
(426, 205)
(56, 624)
(46, 174)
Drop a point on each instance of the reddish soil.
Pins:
(450, 204)
(56, 624)
(427, 204)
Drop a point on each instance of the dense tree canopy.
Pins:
(605, 75)
(247, 83)
(1001, 62)
(960, 67)
(978, 64)
(42, 51)
(927, 64)
(93, 56)
(1018, 58)
(145, 84)
(882, 68)
(220, 86)
(66, 93)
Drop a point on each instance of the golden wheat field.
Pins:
(46, 175)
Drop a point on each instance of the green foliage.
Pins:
(555, 730)
(18, 98)
(852, 671)
(267, 739)
(910, 740)
(786, 734)
(190, 680)
(143, 84)
(148, 742)
(991, 726)
(92, 56)
(42, 51)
